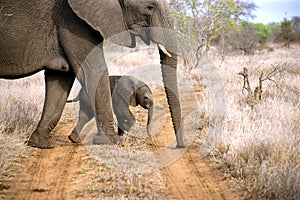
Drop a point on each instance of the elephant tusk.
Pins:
(163, 48)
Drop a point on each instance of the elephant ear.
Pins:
(106, 17)
(126, 88)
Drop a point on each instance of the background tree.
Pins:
(286, 32)
(295, 23)
(210, 21)
(243, 39)
(263, 32)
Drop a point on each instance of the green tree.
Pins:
(263, 32)
(209, 20)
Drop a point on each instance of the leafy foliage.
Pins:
(210, 21)
(263, 32)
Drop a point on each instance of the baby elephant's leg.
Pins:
(86, 113)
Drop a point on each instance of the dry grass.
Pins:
(258, 147)
(20, 108)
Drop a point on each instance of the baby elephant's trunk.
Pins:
(150, 115)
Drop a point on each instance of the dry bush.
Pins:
(258, 146)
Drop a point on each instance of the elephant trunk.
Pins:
(150, 116)
(169, 73)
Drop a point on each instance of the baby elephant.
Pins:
(125, 91)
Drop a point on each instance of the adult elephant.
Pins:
(125, 91)
(58, 35)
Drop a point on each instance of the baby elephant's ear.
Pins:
(105, 16)
(126, 89)
(132, 101)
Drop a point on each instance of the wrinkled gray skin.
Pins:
(125, 91)
(58, 35)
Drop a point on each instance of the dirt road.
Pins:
(62, 172)
(191, 178)
(50, 173)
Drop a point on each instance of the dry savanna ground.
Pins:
(242, 144)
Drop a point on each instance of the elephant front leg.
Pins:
(58, 86)
(103, 112)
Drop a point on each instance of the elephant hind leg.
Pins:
(39, 141)
(58, 86)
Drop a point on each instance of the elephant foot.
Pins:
(180, 146)
(74, 137)
(100, 139)
(39, 141)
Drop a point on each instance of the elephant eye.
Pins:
(151, 8)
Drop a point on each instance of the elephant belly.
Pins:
(28, 37)
(17, 72)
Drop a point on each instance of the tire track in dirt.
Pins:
(50, 173)
(191, 177)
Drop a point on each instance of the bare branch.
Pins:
(277, 69)
(246, 85)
